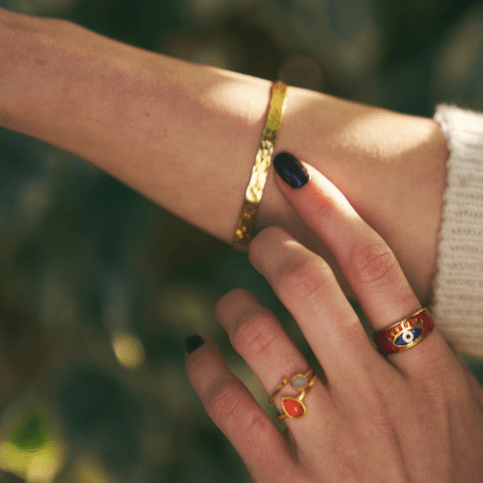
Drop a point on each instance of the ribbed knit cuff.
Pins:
(458, 285)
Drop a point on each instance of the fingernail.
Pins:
(193, 342)
(291, 170)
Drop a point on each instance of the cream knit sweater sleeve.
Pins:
(458, 284)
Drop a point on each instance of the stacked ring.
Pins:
(294, 407)
(396, 338)
(405, 334)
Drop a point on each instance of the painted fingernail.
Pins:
(193, 342)
(291, 170)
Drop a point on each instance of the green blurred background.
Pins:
(99, 287)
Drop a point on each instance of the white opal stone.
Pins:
(299, 382)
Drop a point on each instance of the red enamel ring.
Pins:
(405, 334)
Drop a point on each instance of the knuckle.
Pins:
(223, 404)
(228, 408)
(225, 304)
(265, 238)
(227, 299)
(255, 333)
(375, 399)
(255, 424)
(374, 265)
(268, 245)
(304, 278)
(446, 390)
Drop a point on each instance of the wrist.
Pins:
(391, 167)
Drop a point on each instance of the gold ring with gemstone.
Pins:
(294, 407)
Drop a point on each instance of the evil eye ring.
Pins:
(405, 334)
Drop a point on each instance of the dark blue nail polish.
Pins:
(291, 170)
(193, 342)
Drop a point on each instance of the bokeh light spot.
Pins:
(129, 350)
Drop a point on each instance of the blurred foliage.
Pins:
(99, 287)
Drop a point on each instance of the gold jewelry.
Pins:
(254, 191)
(279, 388)
(405, 334)
(294, 407)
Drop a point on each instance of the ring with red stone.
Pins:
(406, 333)
(294, 407)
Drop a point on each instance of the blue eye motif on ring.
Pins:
(408, 336)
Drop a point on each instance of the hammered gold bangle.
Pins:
(246, 225)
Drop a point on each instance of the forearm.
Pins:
(186, 136)
(183, 135)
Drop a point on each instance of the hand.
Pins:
(391, 167)
(413, 416)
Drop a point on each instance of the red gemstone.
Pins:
(293, 408)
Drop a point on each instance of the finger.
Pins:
(366, 261)
(308, 288)
(364, 258)
(260, 339)
(236, 413)
(257, 335)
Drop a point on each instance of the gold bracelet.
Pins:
(253, 195)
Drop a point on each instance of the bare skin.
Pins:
(412, 417)
(186, 136)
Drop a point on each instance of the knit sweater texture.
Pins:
(458, 283)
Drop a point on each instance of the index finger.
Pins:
(366, 261)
